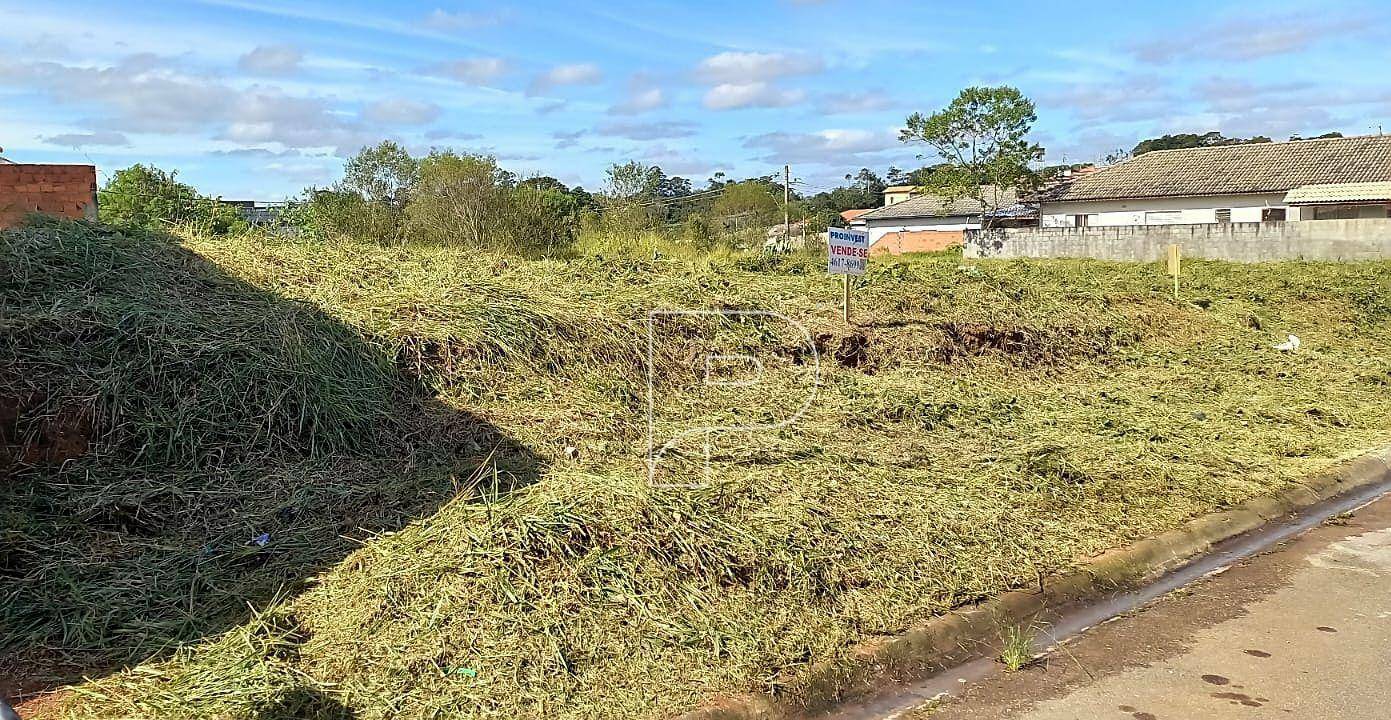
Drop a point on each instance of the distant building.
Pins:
(796, 229)
(926, 223)
(851, 218)
(61, 190)
(256, 212)
(1328, 178)
(895, 194)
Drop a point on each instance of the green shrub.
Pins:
(142, 196)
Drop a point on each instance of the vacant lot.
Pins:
(275, 479)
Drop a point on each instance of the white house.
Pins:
(923, 223)
(1264, 182)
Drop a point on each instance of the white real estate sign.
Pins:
(847, 251)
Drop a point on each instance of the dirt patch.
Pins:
(853, 352)
(31, 434)
(850, 351)
(1024, 345)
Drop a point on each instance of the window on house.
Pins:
(1080, 221)
(1335, 212)
(1224, 216)
(1273, 215)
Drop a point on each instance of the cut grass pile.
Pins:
(446, 450)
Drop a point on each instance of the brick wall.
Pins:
(915, 241)
(63, 190)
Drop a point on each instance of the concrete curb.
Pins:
(964, 634)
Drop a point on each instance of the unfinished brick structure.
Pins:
(63, 190)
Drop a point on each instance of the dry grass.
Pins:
(979, 426)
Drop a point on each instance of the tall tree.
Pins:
(384, 173)
(983, 137)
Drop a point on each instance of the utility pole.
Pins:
(786, 213)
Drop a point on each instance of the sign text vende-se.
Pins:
(847, 251)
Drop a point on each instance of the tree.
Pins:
(983, 137)
(384, 173)
(145, 196)
(748, 198)
(538, 221)
(632, 181)
(545, 182)
(457, 199)
(867, 181)
(1183, 141)
(369, 203)
(1325, 136)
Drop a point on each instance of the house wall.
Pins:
(1239, 242)
(1191, 211)
(63, 190)
(953, 223)
(897, 196)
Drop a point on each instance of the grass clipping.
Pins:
(446, 454)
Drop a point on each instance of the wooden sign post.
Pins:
(847, 253)
(1175, 266)
(845, 280)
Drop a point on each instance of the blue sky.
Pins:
(258, 99)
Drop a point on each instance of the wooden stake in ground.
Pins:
(1175, 262)
(846, 282)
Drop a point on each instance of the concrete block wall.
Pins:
(1237, 242)
(63, 190)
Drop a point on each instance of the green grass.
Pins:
(1016, 647)
(397, 418)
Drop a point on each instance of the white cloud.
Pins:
(732, 96)
(570, 74)
(640, 101)
(567, 139)
(445, 134)
(255, 152)
(474, 71)
(1120, 98)
(46, 45)
(401, 111)
(854, 102)
(441, 19)
(149, 94)
(91, 139)
(268, 115)
(647, 131)
(1238, 39)
(271, 60)
(749, 67)
(830, 147)
(678, 162)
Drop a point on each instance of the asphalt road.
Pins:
(1302, 631)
